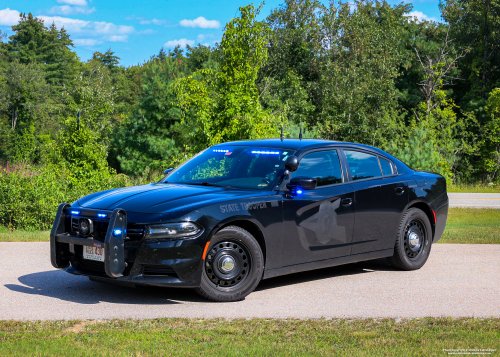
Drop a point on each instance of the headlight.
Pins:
(172, 230)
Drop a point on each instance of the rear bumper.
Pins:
(171, 263)
(440, 207)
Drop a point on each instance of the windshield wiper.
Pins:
(200, 184)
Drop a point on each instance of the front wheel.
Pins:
(414, 241)
(233, 266)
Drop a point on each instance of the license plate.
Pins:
(93, 253)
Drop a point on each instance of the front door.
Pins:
(318, 224)
(380, 198)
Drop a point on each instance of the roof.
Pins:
(293, 144)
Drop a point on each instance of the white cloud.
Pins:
(118, 38)
(154, 22)
(146, 32)
(182, 42)
(200, 22)
(421, 17)
(73, 2)
(105, 31)
(68, 10)
(87, 42)
(9, 17)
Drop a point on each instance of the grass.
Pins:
(255, 337)
(465, 225)
(7, 235)
(472, 226)
(473, 189)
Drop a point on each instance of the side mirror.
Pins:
(167, 171)
(291, 163)
(301, 182)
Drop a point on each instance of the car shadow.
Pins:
(325, 273)
(81, 290)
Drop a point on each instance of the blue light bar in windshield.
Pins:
(266, 152)
(220, 150)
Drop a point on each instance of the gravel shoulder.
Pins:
(457, 281)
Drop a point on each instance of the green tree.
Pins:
(148, 137)
(419, 152)
(362, 50)
(222, 105)
(28, 105)
(92, 94)
(475, 25)
(490, 145)
(107, 59)
(290, 77)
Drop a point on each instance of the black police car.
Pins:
(244, 211)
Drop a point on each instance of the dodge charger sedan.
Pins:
(244, 211)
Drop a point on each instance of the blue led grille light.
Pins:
(117, 232)
(75, 212)
(299, 192)
(266, 152)
(101, 215)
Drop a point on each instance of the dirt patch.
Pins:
(79, 326)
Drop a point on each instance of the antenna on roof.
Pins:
(282, 136)
(300, 133)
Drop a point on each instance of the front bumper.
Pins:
(174, 263)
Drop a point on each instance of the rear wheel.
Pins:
(414, 241)
(233, 266)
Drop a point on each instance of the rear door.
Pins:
(380, 197)
(318, 224)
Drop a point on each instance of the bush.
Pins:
(29, 196)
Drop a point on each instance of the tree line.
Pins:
(426, 92)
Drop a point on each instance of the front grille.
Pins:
(100, 228)
(135, 232)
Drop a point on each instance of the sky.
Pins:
(136, 30)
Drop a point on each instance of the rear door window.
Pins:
(362, 165)
(386, 167)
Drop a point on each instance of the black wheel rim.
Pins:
(415, 239)
(228, 264)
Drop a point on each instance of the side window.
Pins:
(362, 166)
(386, 166)
(324, 166)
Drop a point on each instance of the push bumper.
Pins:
(143, 263)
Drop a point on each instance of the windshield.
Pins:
(233, 166)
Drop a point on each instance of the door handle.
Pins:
(399, 190)
(346, 202)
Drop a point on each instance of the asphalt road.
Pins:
(458, 280)
(475, 200)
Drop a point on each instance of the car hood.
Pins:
(160, 198)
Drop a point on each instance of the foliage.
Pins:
(490, 145)
(147, 138)
(358, 79)
(29, 196)
(362, 72)
(223, 104)
(93, 96)
(419, 152)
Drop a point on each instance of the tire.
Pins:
(414, 241)
(233, 266)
